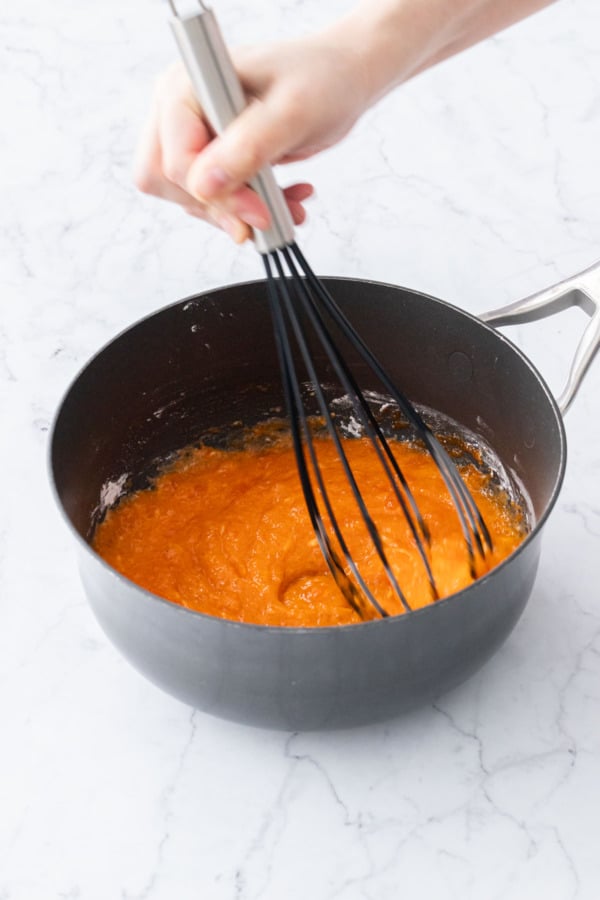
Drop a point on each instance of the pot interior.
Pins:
(208, 364)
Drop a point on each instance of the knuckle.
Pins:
(293, 102)
(172, 170)
(144, 180)
(251, 156)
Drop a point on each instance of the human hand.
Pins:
(304, 96)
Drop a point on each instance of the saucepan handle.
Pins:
(581, 290)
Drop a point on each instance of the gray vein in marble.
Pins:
(166, 801)
(270, 833)
(267, 838)
(570, 864)
(526, 827)
(588, 515)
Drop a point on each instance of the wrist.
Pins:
(396, 39)
(387, 43)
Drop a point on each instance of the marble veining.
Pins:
(477, 182)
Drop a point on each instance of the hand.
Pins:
(304, 96)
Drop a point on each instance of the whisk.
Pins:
(305, 315)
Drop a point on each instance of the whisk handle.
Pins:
(220, 94)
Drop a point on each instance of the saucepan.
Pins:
(209, 361)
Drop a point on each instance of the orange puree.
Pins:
(226, 532)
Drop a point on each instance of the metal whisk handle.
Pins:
(220, 94)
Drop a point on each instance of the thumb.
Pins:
(261, 134)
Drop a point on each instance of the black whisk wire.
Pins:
(300, 292)
(475, 531)
(372, 429)
(333, 433)
(302, 440)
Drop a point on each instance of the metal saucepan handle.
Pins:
(581, 290)
(220, 94)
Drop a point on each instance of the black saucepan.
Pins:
(208, 361)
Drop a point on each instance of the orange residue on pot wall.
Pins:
(226, 532)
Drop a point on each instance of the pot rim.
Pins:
(302, 630)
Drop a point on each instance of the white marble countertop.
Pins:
(479, 182)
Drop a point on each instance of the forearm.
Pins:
(399, 38)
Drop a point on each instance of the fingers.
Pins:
(150, 177)
(233, 219)
(295, 195)
(183, 135)
(299, 192)
(261, 134)
(173, 148)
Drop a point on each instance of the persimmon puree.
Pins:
(226, 532)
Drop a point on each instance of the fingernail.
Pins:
(211, 182)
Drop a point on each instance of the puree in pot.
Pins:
(226, 532)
